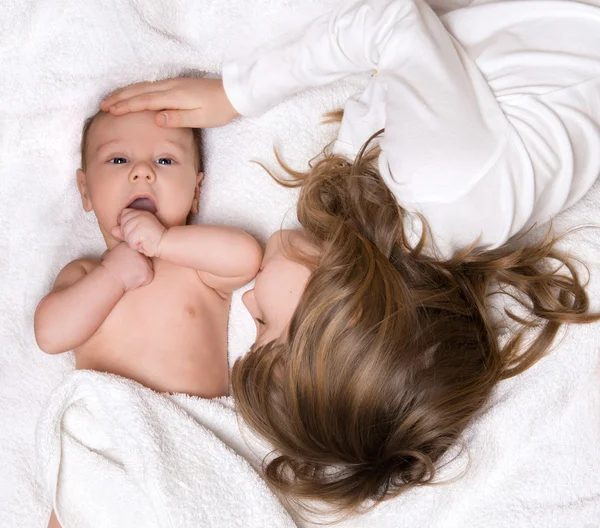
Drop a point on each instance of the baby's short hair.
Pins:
(197, 132)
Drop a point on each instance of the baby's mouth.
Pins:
(143, 204)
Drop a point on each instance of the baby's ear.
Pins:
(82, 186)
(199, 178)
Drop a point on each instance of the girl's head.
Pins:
(279, 285)
(374, 356)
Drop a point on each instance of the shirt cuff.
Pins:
(234, 91)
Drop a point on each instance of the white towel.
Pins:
(116, 454)
(535, 451)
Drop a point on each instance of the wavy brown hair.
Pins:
(391, 351)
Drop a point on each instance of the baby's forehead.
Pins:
(136, 126)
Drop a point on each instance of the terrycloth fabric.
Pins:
(534, 453)
(116, 454)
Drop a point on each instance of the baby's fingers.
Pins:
(116, 232)
(126, 214)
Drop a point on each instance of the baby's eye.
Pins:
(117, 161)
(260, 321)
(165, 161)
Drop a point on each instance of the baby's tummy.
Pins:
(186, 358)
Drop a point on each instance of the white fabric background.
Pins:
(534, 452)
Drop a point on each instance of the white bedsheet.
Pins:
(534, 454)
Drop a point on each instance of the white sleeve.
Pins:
(491, 113)
(443, 123)
(348, 40)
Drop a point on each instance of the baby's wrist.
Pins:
(113, 277)
(160, 244)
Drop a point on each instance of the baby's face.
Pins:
(278, 287)
(130, 161)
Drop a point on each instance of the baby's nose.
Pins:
(142, 171)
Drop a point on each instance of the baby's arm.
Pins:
(226, 258)
(83, 295)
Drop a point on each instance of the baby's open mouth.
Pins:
(143, 204)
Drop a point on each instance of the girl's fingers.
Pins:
(133, 91)
(146, 101)
(124, 93)
(181, 119)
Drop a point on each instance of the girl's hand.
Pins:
(181, 102)
(130, 268)
(141, 231)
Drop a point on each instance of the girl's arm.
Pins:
(443, 123)
(226, 258)
(491, 115)
(357, 37)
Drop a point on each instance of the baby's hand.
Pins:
(141, 231)
(129, 267)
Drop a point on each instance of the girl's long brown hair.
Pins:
(391, 351)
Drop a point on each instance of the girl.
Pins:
(369, 369)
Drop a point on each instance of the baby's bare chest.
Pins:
(169, 328)
(176, 299)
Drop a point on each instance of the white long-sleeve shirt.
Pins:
(491, 113)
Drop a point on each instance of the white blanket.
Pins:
(534, 453)
(117, 454)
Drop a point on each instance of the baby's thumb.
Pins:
(180, 119)
(116, 232)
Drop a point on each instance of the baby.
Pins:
(154, 308)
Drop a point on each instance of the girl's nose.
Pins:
(249, 302)
(142, 172)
